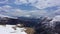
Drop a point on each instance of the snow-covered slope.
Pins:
(55, 19)
(9, 30)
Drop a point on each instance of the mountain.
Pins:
(2, 16)
(56, 18)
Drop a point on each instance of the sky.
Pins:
(29, 8)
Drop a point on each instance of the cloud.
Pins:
(46, 3)
(54, 13)
(29, 8)
(16, 12)
(18, 2)
(41, 4)
(6, 7)
(10, 11)
(5, 10)
(57, 12)
(32, 1)
(36, 13)
(3, 1)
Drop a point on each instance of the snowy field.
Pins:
(8, 29)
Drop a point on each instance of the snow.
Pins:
(9, 30)
(55, 19)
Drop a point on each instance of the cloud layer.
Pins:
(39, 3)
(8, 10)
(29, 8)
(36, 3)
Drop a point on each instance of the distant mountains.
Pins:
(42, 24)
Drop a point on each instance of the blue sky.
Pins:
(29, 8)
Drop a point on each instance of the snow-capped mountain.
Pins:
(57, 18)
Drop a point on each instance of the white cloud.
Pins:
(8, 10)
(30, 13)
(54, 13)
(46, 3)
(18, 2)
(57, 12)
(6, 7)
(32, 1)
(3, 1)
(41, 4)
(38, 12)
